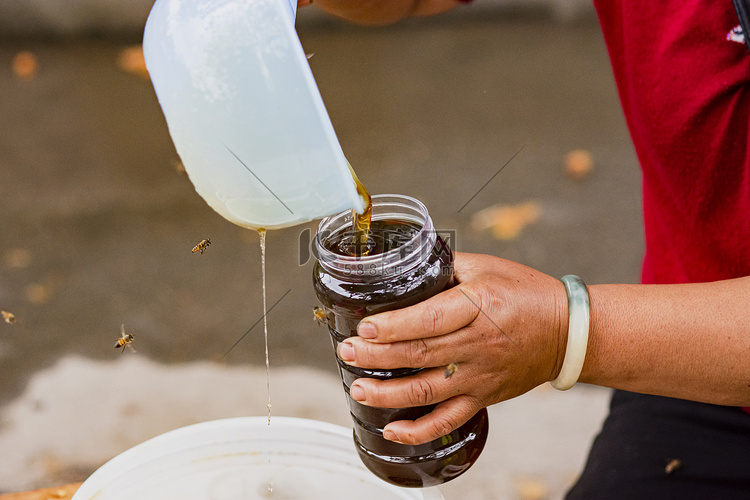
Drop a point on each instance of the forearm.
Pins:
(379, 12)
(687, 341)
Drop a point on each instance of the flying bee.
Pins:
(319, 314)
(201, 247)
(125, 341)
(8, 317)
(450, 370)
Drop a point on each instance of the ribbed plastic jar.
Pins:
(408, 263)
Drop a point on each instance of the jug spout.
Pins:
(244, 112)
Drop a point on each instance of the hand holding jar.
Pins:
(503, 325)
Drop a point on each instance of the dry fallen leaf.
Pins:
(672, 466)
(131, 60)
(130, 410)
(578, 163)
(37, 293)
(42, 292)
(17, 258)
(531, 489)
(506, 221)
(25, 65)
(57, 493)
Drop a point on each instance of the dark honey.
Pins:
(405, 262)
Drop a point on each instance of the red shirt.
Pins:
(685, 92)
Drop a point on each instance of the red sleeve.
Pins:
(684, 84)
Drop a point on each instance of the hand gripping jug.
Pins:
(244, 112)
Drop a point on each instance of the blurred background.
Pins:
(98, 219)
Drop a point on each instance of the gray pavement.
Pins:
(97, 224)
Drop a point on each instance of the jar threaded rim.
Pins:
(395, 261)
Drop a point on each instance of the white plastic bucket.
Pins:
(244, 112)
(245, 459)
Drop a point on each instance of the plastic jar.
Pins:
(408, 262)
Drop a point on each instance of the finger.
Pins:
(444, 419)
(418, 353)
(444, 313)
(428, 387)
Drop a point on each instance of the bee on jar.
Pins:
(8, 317)
(450, 370)
(125, 341)
(201, 247)
(319, 314)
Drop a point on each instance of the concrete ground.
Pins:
(97, 224)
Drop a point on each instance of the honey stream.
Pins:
(361, 228)
(262, 234)
(361, 222)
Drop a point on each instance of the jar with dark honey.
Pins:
(405, 262)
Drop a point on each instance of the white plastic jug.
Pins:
(244, 112)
